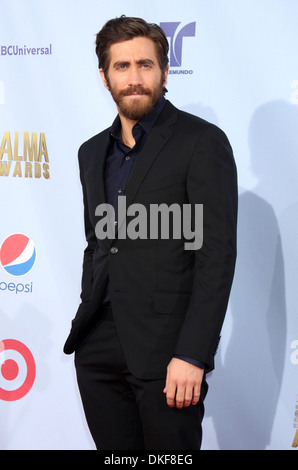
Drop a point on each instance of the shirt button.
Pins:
(127, 158)
(114, 250)
(119, 190)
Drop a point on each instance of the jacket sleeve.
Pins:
(211, 181)
(87, 271)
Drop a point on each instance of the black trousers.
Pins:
(127, 413)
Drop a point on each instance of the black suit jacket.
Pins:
(166, 300)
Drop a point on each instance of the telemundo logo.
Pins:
(17, 258)
(175, 33)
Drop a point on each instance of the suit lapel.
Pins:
(156, 140)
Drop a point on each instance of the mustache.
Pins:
(135, 89)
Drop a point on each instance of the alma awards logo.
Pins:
(30, 160)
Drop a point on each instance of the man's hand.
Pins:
(183, 383)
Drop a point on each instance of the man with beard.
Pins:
(148, 326)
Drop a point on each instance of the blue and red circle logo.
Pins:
(17, 254)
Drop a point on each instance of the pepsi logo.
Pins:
(17, 254)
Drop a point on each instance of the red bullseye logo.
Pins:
(17, 370)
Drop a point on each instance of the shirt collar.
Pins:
(146, 122)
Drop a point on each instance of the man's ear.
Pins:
(105, 82)
(166, 74)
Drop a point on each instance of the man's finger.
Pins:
(188, 397)
(180, 396)
(170, 394)
(196, 394)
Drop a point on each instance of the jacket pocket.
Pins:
(170, 303)
(157, 184)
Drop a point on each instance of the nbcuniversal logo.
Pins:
(17, 258)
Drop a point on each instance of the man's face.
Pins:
(134, 77)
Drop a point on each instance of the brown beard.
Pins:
(135, 110)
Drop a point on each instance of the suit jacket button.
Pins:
(114, 250)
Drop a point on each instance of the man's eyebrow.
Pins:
(120, 62)
(145, 61)
(139, 62)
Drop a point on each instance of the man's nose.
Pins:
(135, 76)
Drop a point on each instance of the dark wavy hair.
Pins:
(124, 29)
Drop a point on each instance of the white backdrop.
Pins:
(239, 70)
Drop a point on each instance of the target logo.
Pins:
(17, 254)
(17, 370)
